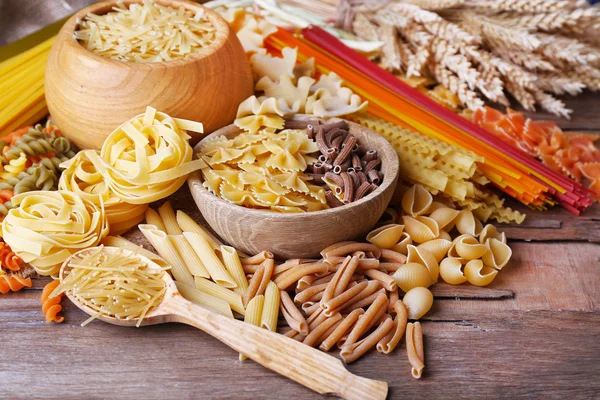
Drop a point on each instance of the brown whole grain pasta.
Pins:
(373, 164)
(394, 297)
(373, 177)
(356, 164)
(250, 269)
(349, 267)
(287, 265)
(387, 345)
(253, 285)
(390, 267)
(292, 315)
(388, 282)
(315, 333)
(348, 187)
(338, 301)
(365, 301)
(364, 189)
(320, 139)
(269, 266)
(411, 350)
(393, 256)
(354, 176)
(364, 322)
(324, 279)
(350, 247)
(332, 200)
(346, 151)
(370, 155)
(336, 142)
(288, 278)
(305, 282)
(352, 352)
(334, 178)
(309, 309)
(341, 329)
(257, 258)
(335, 125)
(330, 289)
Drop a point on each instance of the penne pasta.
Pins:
(351, 247)
(414, 349)
(213, 264)
(292, 315)
(166, 250)
(343, 328)
(316, 332)
(188, 256)
(254, 314)
(257, 258)
(388, 282)
(187, 224)
(153, 218)
(288, 278)
(393, 256)
(372, 288)
(286, 266)
(309, 292)
(270, 312)
(232, 263)
(394, 297)
(118, 241)
(364, 322)
(204, 299)
(333, 247)
(253, 285)
(389, 343)
(354, 351)
(269, 266)
(231, 297)
(348, 269)
(305, 282)
(168, 218)
(337, 303)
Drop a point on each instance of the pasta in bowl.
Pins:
(293, 234)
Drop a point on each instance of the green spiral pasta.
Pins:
(40, 178)
(6, 207)
(32, 143)
(62, 145)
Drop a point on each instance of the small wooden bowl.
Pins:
(301, 235)
(89, 95)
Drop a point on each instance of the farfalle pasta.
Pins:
(147, 158)
(47, 227)
(80, 176)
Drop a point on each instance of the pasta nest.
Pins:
(46, 227)
(80, 176)
(147, 158)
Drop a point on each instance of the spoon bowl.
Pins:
(303, 364)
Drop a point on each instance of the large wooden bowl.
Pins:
(301, 235)
(89, 95)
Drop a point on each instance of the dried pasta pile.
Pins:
(147, 32)
(113, 282)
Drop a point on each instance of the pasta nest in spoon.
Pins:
(81, 176)
(46, 227)
(148, 157)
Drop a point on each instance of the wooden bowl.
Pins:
(301, 235)
(89, 95)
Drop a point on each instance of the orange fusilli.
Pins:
(13, 283)
(51, 305)
(8, 259)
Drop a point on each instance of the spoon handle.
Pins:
(308, 366)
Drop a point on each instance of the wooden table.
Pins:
(535, 332)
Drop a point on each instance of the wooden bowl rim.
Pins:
(67, 32)
(388, 179)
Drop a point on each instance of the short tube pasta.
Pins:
(270, 312)
(188, 256)
(232, 263)
(211, 262)
(168, 218)
(254, 314)
(215, 290)
(187, 224)
(206, 300)
(153, 218)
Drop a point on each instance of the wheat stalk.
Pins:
(559, 84)
(552, 104)
(526, 6)
(390, 57)
(457, 86)
(363, 28)
(435, 4)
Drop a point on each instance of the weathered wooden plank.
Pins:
(445, 291)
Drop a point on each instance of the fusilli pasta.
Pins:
(51, 305)
(13, 283)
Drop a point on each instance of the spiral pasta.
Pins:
(8, 259)
(147, 158)
(80, 176)
(51, 305)
(13, 283)
(14, 167)
(47, 227)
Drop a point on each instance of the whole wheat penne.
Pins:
(253, 285)
(367, 301)
(341, 329)
(165, 248)
(317, 331)
(372, 287)
(336, 303)
(204, 299)
(305, 282)
(354, 351)
(269, 265)
(249, 269)
(187, 224)
(307, 294)
(418, 332)
(352, 247)
(310, 308)
(286, 280)
(153, 218)
(168, 218)
(231, 260)
(290, 333)
(333, 247)
(316, 297)
(286, 266)
(257, 258)
(393, 256)
(213, 264)
(359, 254)
(254, 314)
(394, 297)
(348, 271)
(189, 256)
(389, 267)
(118, 241)
(231, 297)
(324, 279)
(411, 350)
(313, 321)
(270, 313)
(292, 315)
(330, 289)
(364, 322)
(378, 318)
(363, 263)
(389, 343)
(328, 332)
(388, 282)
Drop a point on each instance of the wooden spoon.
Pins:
(308, 366)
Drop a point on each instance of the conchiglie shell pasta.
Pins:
(490, 231)
(498, 255)
(445, 217)
(479, 275)
(438, 247)
(469, 248)
(424, 257)
(386, 237)
(421, 229)
(436, 205)
(401, 247)
(466, 223)
(451, 271)
(416, 201)
(412, 275)
(418, 302)
(445, 235)
(452, 253)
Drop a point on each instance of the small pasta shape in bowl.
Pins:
(271, 201)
